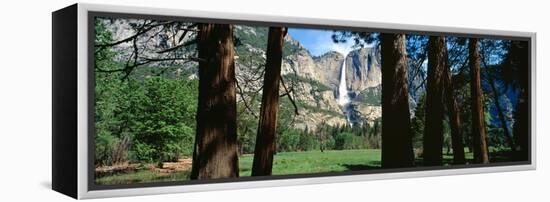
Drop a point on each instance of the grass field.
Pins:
(317, 162)
(142, 176)
(284, 163)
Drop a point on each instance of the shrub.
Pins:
(307, 141)
(329, 142)
(104, 143)
(163, 119)
(348, 141)
(288, 140)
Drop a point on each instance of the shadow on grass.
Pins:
(494, 157)
(419, 161)
(246, 169)
(507, 156)
(358, 167)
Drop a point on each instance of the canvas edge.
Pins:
(533, 99)
(85, 193)
(82, 101)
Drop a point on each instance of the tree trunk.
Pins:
(518, 62)
(265, 139)
(501, 116)
(433, 133)
(454, 119)
(396, 132)
(215, 152)
(521, 127)
(478, 117)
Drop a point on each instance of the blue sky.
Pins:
(319, 41)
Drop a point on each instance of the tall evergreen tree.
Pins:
(481, 154)
(454, 119)
(396, 132)
(516, 74)
(433, 134)
(215, 150)
(265, 139)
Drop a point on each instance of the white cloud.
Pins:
(326, 44)
(319, 42)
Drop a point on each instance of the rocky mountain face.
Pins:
(312, 80)
(364, 70)
(363, 79)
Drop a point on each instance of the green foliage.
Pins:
(447, 136)
(157, 114)
(417, 123)
(329, 142)
(465, 110)
(251, 40)
(256, 37)
(247, 127)
(103, 56)
(247, 123)
(316, 85)
(110, 101)
(347, 140)
(290, 49)
(363, 136)
(104, 143)
(289, 140)
(141, 118)
(371, 96)
(163, 125)
(307, 141)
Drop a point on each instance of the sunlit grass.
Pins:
(285, 163)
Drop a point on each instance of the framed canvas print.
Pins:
(151, 101)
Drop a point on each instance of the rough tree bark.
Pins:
(396, 132)
(433, 133)
(516, 70)
(454, 119)
(265, 139)
(478, 117)
(521, 127)
(215, 152)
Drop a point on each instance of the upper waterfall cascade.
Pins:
(343, 97)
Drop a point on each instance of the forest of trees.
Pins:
(447, 83)
(472, 97)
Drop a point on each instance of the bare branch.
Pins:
(241, 92)
(121, 69)
(195, 59)
(140, 31)
(289, 96)
(185, 30)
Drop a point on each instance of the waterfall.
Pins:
(343, 97)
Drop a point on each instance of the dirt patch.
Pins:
(115, 169)
(180, 165)
(163, 169)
